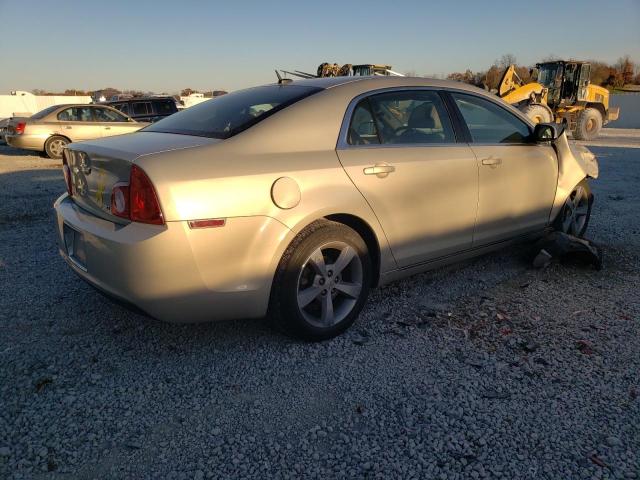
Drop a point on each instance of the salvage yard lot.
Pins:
(488, 369)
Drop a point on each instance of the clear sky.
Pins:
(166, 46)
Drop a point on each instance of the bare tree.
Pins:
(506, 60)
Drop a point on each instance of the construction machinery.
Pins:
(561, 94)
(347, 70)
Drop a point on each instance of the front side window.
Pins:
(227, 115)
(490, 123)
(402, 118)
(106, 115)
(76, 114)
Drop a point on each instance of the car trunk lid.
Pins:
(96, 166)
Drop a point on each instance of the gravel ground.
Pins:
(488, 369)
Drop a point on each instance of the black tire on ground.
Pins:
(574, 215)
(538, 113)
(588, 124)
(54, 146)
(297, 272)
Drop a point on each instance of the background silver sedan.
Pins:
(51, 129)
(295, 199)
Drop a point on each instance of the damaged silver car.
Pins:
(296, 198)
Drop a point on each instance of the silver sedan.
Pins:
(293, 200)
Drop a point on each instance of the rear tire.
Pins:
(537, 113)
(54, 146)
(588, 124)
(322, 282)
(576, 211)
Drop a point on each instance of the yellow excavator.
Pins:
(561, 94)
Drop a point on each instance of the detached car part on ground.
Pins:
(51, 129)
(295, 199)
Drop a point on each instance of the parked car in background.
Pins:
(54, 127)
(149, 109)
(3, 130)
(297, 198)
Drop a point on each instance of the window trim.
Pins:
(467, 132)
(462, 134)
(343, 137)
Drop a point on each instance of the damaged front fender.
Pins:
(575, 163)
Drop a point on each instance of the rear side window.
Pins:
(225, 116)
(165, 107)
(490, 123)
(76, 114)
(141, 108)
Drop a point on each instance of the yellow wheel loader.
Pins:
(561, 94)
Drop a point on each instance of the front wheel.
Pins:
(576, 211)
(588, 124)
(322, 282)
(54, 146)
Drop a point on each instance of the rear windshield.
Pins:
(45, 112)
(230, 114)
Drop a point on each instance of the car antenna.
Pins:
(281, 80)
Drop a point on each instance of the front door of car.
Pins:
(400, 151)
(113, 122)
(518, 177)
(78, 124)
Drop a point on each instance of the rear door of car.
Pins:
(400, 148)
(518, 177)
(78, 123)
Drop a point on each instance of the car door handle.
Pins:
(68, 127)
(380, 170)
(492, 161)
(107, 128)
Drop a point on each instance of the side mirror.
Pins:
(547, 132)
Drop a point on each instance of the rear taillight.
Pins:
(20, 127)
(67, 171)
(136, 201)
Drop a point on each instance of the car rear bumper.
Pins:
(172, 272)
(27, 141)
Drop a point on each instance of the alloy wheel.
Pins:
(329, 284)
(56, 147)
(575, 212)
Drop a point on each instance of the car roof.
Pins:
(380, 81)
(140, 99)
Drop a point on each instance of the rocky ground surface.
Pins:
(489, 369)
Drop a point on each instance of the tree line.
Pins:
(623, 72)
